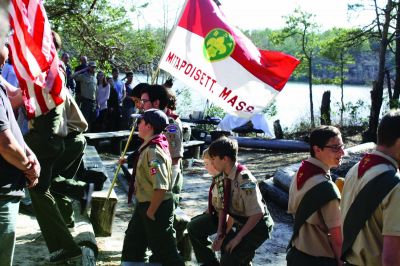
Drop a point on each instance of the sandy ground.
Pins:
(31, 249)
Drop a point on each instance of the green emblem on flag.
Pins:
(218, 44)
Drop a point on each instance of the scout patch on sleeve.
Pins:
(248, 187)
(172, 128)
(154, 164)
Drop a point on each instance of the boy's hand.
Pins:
(232, 244)
(216, 245)
(122, 160)
(150, 215)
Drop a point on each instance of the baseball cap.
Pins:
(157, 118)
(92, 64)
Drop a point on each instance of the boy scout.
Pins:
(370, 201)
(314, 202)
(151, 223)
(242, 200)
(157, 96)
(206, 224)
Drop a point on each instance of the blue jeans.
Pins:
(8, 218)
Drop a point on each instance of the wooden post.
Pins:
(102, 218)
(326, 108)
(278, 129)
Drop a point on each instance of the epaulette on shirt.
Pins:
(369, 160)
(306, 171)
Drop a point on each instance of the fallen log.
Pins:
(272, 192)
(272, 144)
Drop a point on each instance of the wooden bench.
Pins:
(116, 138)
(192, 148)
(101, 219)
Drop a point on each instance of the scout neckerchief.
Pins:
(367, 200)
(227, 197)
(306, 171)
(159, 140)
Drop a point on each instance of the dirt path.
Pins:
(31, 250)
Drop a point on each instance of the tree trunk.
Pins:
(341, 87)
(278, 130)
(396, 87)
(377, 88)
(326, 108)
(310, 89)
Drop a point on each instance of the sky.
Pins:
(257, 14)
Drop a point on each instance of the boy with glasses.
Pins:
(314, 202)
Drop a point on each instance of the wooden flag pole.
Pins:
(119, 166)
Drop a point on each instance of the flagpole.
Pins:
(119, 167)
(169, 38)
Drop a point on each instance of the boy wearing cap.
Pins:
(241, 200)
(151, 223)
(314, 202)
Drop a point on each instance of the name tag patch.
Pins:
(172, 128)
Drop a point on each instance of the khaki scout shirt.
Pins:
(367, 248)
(246, 198)
(88, 85)
(153, 172)
(313, 234)
(174, 135)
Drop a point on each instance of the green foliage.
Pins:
(353, 110)
(104, 33)
(271, 110)
(215, 111)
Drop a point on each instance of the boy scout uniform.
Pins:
(246, 200)
(367, 248)
(153, 172)
(313, 239)
(205, 225)
(174, 135)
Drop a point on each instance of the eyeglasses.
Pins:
(143, 101)
(335, 148)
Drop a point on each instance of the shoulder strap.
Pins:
(312, 201)
(366, 202)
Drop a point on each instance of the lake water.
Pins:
(292, 103)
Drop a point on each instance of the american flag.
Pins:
(34, 57)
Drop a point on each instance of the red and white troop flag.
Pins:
(34, 57)
(208, 54)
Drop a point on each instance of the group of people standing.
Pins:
(355, 226)
(106, 102)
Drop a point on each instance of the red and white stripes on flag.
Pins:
(34, 57)
(213, 57)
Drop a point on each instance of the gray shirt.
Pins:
(12, 180)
